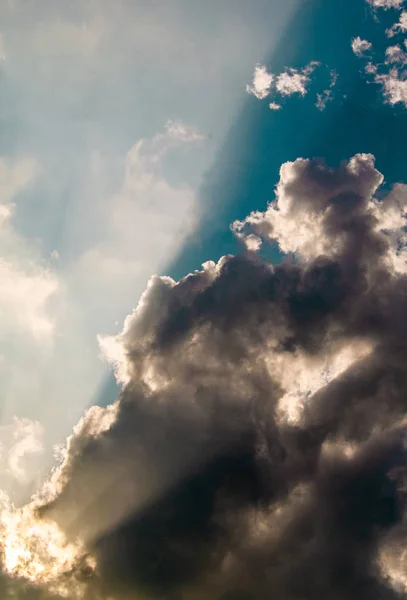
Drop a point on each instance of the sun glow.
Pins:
(37, 551)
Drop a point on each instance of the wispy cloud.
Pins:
(327, 95)
(386, 3)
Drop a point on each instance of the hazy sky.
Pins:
(110, 115)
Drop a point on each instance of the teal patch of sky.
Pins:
(246, 170)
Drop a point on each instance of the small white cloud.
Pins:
(261, 83)
(294, 81)
(400, 26)
(395, 54)
(274, 106)
(323, 99)
(359, 46)
(371, 69)
(394, 86)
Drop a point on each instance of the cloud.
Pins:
(400, 26)
(386, 3)
(258, 446)
(21, 446)
(395, 54)
(261, 83)
(290, 81)
(391, 78)
(359, 46)
(394, 86)
(327, 95)
(295, 81)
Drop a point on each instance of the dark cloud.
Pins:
(198, 483)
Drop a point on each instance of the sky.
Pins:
(202, 242)
(109, 119)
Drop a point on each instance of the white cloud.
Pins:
(291, 81)
(359, 46)
(261, 83)
(392, 79)
(400, 26)
(395, 54)
(386, 3)
(394, 86)
(295, 81)
(371, 69)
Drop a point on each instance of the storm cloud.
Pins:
(258, 447)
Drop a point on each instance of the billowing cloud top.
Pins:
(257, 449)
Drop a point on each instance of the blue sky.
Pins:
(128, 146)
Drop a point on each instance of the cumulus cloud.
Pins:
(295, 81)
(290, 81)
(258, 446)
(261, 83)
(359, 46)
